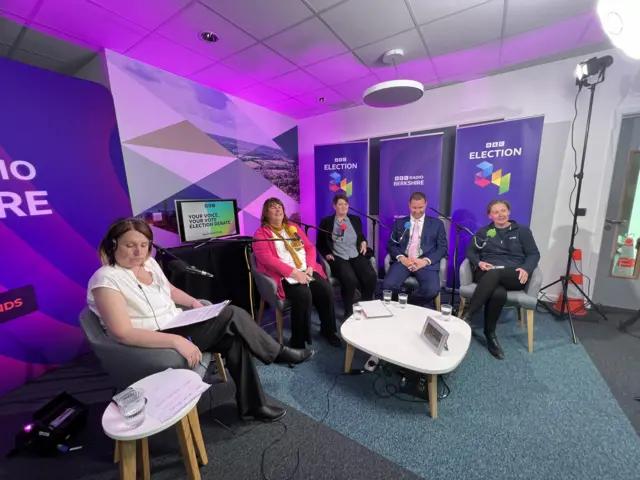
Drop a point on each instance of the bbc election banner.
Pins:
(62, 183)
(407, 165)
(494, 161)
(342, 168)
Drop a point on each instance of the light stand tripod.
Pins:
(593, 66)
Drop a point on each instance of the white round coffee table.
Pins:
(127, 439)
(398, 340)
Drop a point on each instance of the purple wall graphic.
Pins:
(494, 161)
(58, 137)
(199, 143)
(407, 165)
(342, 168)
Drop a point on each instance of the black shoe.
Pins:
(293, 356)
(494, 347)
(333, 339)
(265, 413)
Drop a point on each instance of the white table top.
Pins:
(114, 426)
(398, 339)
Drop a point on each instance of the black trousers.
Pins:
(491, 293)
(237, 337)
(302, 297)
(351, 274)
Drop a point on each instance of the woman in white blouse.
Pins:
(134, 300)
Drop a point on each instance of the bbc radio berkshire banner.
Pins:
(62, 182)
(494, 161)
(407, 165)
(342, 168)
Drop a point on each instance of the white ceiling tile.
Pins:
(222, 78)
(420, 70)
(320, 5)
(295, 83)
(39, 61)
(353, 89)
(261, 18)
(8, 31)
(147, 13)
(523, 15)
(338, 69)
(43, 44)
(307, 43)
(163, 53)
(410, 42)
(330, 96)
(261, 95)
(467, 64)
(477, 25)
(260, 63)
(360, 22)
(186, 27)
(430, 10)
(21, 8)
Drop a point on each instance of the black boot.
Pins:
(494, 347)
(266, 413)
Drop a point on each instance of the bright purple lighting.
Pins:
(28, 428)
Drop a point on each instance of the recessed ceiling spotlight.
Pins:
(321, 99)
(209, 37)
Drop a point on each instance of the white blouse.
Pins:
(149, 306)
(287, 258)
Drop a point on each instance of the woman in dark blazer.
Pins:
(345, 250)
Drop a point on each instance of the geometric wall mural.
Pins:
(182, 140)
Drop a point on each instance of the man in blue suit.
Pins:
(416, 245)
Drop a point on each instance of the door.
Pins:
(617, 283)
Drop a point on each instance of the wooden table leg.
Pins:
(186, 447)
(143, 458)
(194, 423)
(433, 395)
(127, 452)
(116, 452)
(348, 358)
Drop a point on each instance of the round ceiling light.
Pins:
(393, 93)
(209, 37)
(621, 21)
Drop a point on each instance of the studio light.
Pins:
(593, 66)
(621, 21)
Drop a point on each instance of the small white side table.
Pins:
(129, 439)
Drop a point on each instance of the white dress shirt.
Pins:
(287, 258)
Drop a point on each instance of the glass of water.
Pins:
(445, 311)
(131, 403)
(402, 300)
(386, 296)
(357, 312)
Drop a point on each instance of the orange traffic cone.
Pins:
(575, 300)
(627, 260)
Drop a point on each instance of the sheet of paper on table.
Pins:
(196, 315)
(169, 395)
(375, 309)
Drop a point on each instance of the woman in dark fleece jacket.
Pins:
(506, 262)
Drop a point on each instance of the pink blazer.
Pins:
(269, 263)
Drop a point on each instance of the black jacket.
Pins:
(514, 248)
(324, 242)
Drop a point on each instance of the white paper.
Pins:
(375, 309)
(170, 395)
(196, 315)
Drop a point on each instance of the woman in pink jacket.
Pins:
(290, 260)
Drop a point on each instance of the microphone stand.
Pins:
(459, 227)
(164, 251)
(375, 222)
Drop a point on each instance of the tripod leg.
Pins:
(551, 284)
(595, 307)
(574, 338)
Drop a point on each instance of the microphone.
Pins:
(343, 228)
(181, 266)
(407, 225)
(293, 231)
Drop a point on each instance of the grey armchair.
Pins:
(126, 364)
(524, 300)
(333, 280)
(411, 283)
(268, 289)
